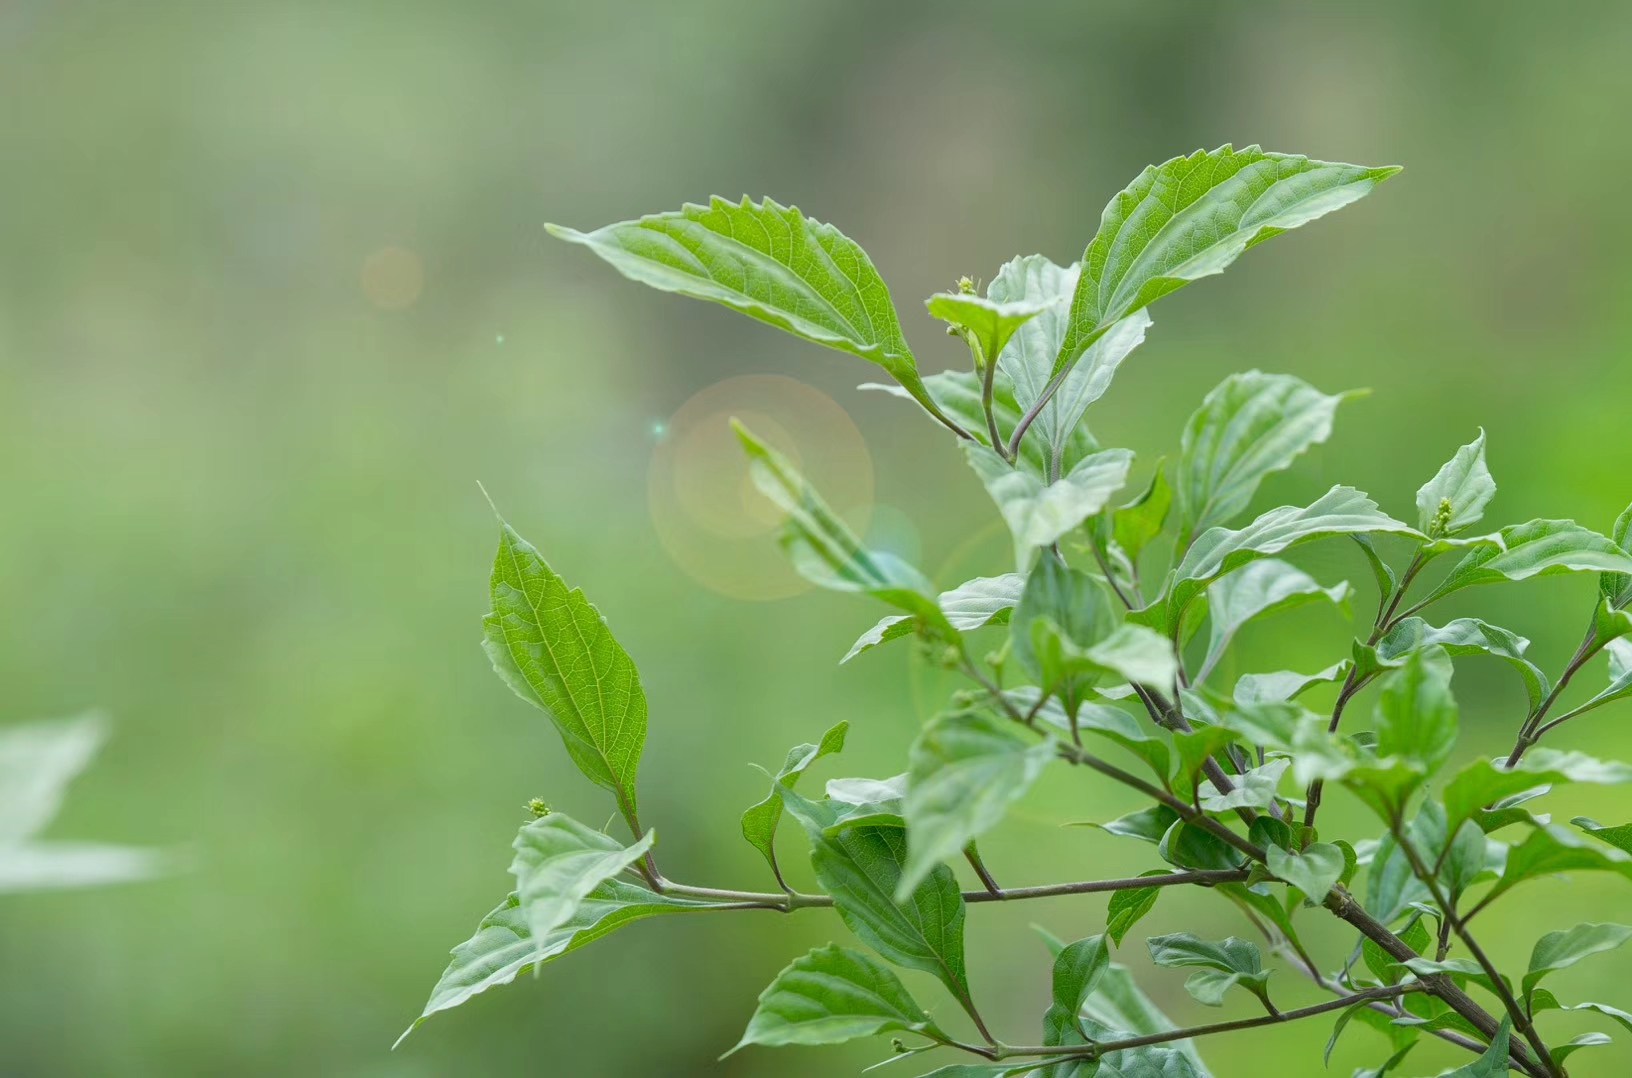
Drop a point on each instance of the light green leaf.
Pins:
(1459, 967)
(1619, 836)
(1543, 1000)
(1231, 955)
(1539, 548)
(822, 547)
(1209, 987)
(1615, 586)
(1556, 950)
(1574, 1044)
(554, 650)
(861, 868)
(769, 262)
(1251, 425)
(1256, 590)
(504, 946)
(759, 822)
(1128, 907)
(1061, 613)
(1140, 655)
(1283, 685)
(1039, 513)
(1118, 1008)
(1217, 551)
(990, 321)
(1493, 1063)
(974, 604)
(1455, 498)
(964, 770)
(37, 761)
(1314, 870)
(1271, 724)
(1029, 358)
(866, 803)
(1254, 789)
(559, 862)
(1620, 675)
(1191, 217)
(1391, 886)
(1550, 849)
(1141, 520)
(1416, 713)
(1485, 782)
(1464, 636)
(1078, 968)
(830, 996)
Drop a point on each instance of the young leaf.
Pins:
(1127, 908)
(1078, 968)
(1485, 782)
(830, 996)
(991, 322)
(759, 821)
(505, 947)
(769, 262)
(974, 604)
(1284, 685)
(964, 770)
(1039, 513)
(1416, 713)
(1191, 217)
(37, 761)
(1614, 586)
(1455, 498)
(1029, 358)
(1556, 950)
(822, 547)
(866, 803)
(861, 868)
(1314, 870)
(1217, 551)
(1256, 590)
(1539, 548)
(559, 862)
(1141, 520)
(1251, 425)
(1253, 789)
(555, 651)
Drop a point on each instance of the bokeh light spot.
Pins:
(715, 524)
(393, 278)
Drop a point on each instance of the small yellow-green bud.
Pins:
(966, 285)
(538, 807)
(1442, 518)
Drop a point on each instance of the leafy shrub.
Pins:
(1097, 652)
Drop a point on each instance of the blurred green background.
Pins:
(274, 295)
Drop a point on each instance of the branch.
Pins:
(1533, 727)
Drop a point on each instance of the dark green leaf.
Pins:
(1189, 846)
(964, 770)
(1455, 498)
(555, 651)
(830, 996)
(1191, 217)
(1391, 886)
(769, 262)
(1127, 908)
(1149, 824)
(1251, 425)
(1382, 965)
(1557, 950)
(1539, 548)
(759, 822)
(559, 862)
(1256, 590)
(1620, 675)
(1039, 513)
(1586, 1040)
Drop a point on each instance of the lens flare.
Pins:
(719, 529)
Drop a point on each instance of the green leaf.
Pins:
(759, 822)
(861, 867)
(1620, 675)
(1614, 586)
(830, 996)
(1283, 685)
(1064, 634)
(1389, 1064)
(769, 262)
(1455, 498)
(866, 803)
(964, 770)
(1227, 963)
(1141, 520)
(1539, 548)
(1550, 849)
(974, 604)
(1574, 1044)
(1414, 935)
(1217, 551)
(1253, 424)
(1127, 908)
(1543, 1000)
(1078, 968)
(1148, 824)
(554, 650)
(1209, 987)
(1464, 636)
(37, 761)
(1272, 724)
(1619, 836)
(1556, 950)
(1029, 358)
(1416, 713)
(559, 862)
(1194, 748)
(1187, 846)
(1485, 782)
(1314, 870)
(1039, 513)
(1462, 968)
(1464, 862)
(822, 547)
(1493, 1063)
(1191, 217)
(505, 947)
(1117, 1009)
(1261, 588)
(1253, 789)
(1150, 743)
(991, 322)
